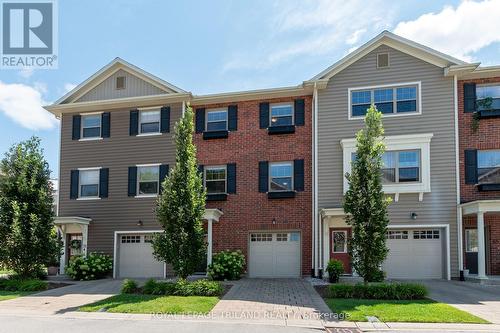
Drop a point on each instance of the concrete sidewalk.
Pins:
(366, 326)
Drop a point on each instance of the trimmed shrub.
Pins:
(227, 265)
(93, 266)
(393, 291)
(335, 268)
(23, 285)
(183, 288)
(129, 287)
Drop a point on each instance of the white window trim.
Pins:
(333, 241)
(270, 177)
(205, 177)
(292, 104)
(98, 185)
(398, 142)
(226, 109)
(138, 183)
(392, 85)
(91, 138)
(151, 108)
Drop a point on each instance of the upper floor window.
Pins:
(488, 97)
(488, 166)
(217, 120)
(148, 179)
(281, 114)
(91, 126)
(281, 176)
(401, 166)
(215, 179)
(120, 82)
(89, 183)
(389, 100)
(149, 121)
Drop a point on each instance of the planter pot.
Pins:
(52, 270)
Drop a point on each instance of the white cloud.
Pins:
(68, 87)
(26, 72)
(459, 31)
(23, 104)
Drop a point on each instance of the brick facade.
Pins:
(248, 210)
(487, 136)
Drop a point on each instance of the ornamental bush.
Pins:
(392, 291)
(129, 287)
(227, 265)
(93, 266)
(179, 288)
(17, 284)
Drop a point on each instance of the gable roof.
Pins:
(109, 70)
(392, 40)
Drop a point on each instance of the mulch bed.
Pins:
(55, 285)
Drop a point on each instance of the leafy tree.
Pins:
(181, 206)
(365, 204)
(27, 239)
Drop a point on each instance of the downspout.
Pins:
(315, 183)
(457, 176)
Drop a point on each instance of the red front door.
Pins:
(338, 247)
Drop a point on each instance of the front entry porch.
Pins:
(72, 229)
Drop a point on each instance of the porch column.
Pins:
(209, 241)
(62, 258)
(481, 255)
(85, 237)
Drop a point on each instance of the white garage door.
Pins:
(135, 257)
(414, 254)
(274, 254)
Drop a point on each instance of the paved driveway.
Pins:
(480, 300)
(61, 300)
(288, 301)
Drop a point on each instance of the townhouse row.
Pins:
(273, 162)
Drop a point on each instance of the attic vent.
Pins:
(120, 82)
(382, 60)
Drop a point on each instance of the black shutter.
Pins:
(103, 182)
(134, 122)
(264, 115)
(132, 181)
(231, 178)
(163, 175)
(75, 175)
(77, 122)
(200, 120)
(105, 123)
(263, 176)
(469, 97)
(165, 119)
(298, 175)
(470, 157)
(299, 112)
(232, 115)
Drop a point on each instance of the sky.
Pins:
(221, 45)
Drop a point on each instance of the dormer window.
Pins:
(120, 82)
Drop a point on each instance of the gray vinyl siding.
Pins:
(437, 207)
(134, 86)
(118, 212)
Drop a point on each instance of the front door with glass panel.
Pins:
(338, 247)
(471, 248)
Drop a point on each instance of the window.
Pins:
(149, 121)
(281, 115)
(399, 166)
(488, 91)
(261, 237)
(488, 167)
(216, 120)
(91, 126)
(471, 240)
(89, 183)
(382, 60)
(120, 82)
(148, 238)
(339, 241)
(215, 179)
(396, 234)
(281, 175)
(426, 234)
(131, 239)
(148, 180)
(282, 237)
(388, 100)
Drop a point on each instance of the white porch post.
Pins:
(209, 241)
(481, 255)
(62, 259)
(85, 233)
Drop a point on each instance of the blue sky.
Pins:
(216, 46)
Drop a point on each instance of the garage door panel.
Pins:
(136, 258)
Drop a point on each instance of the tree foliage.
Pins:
(181, 206)
(365, 204)
(28, 242)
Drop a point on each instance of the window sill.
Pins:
(90, 139)
(272, 130)
(217, 197)
(146, 196)
(281, 195)
(388, 115)
(88, 198)
(150, 134)
(488, 187)
(484, 114)
(215, 135)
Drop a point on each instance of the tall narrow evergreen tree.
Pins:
(365, 204)
(181, 206)
(27, 239)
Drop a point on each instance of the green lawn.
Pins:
(126, 303)
(416, 311)
(5, 295)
